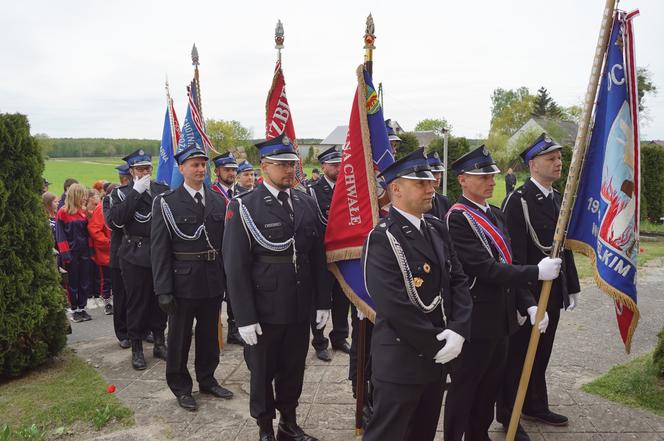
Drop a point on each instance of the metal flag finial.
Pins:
(194, 56)
(279, 35)
(369, 33)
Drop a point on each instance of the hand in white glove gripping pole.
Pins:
(549, 268)
(573, 301)
(322, 316)
(250, 333)
(532, 312)
(142, 184)
(452, 348)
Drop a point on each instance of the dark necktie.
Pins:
(199, 202)
(490, 215)
(230, 193)
(283, 197)
(554, 204)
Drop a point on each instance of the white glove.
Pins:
(360, 316)
(452, 348)
(142, 184)
(573, 301)
(322, 316)
(549, 268)
(520, 319)
(532, 312)
(250, 333)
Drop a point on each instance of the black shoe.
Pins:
(265, 430)
(342, 347)
(548, 417)
(76, 317)
(149, 338)
(266, 436)
(137, 357)
(108, 309)
(290, 431)
(323, 354)
(187, 402)
(521, 434)
(217, 391)
(85, 315)
(160, 350)
(124, 343)
(234, 339)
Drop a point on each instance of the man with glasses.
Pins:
(131, 211)
(276, 277)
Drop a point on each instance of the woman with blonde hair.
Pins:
(50, 202)
(74, 244)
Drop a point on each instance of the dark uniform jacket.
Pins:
(440, 206)
(199, 274)
(322, 192)
(404, 337)
(497, 289)
(263, 284)
(543, 217)
(132, 211)
(116, 233)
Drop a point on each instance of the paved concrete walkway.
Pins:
(587, 345)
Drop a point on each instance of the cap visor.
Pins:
(283, 157)
(141, 163)
(332, 161)
(488, 170)
(424, 175)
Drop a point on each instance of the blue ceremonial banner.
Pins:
(166, 149)
(604, 223)
(354, 209)
(193, 133)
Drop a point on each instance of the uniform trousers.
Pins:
(206, 313)
(143, 312)
(537, 398)
(119, 304)
(405, 412)
(476, 377)
(278, 357)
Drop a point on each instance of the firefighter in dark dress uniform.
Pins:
(498, 289)
(321, 191)
(225, 168)
(422, 303)
(245, 177)
(277, 275)
(131, 210)
(188, 270)
(531, 213)
(440, 204)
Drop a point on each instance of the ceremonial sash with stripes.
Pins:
(486, 230)
(219, 189)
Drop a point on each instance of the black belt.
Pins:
(205, 256)
(282, 259)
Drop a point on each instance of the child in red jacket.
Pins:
(101, 244)
(71, 233)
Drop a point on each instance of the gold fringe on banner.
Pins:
(625, 300)
(344, 254)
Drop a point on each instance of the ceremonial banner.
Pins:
(193, 133)
(354, 209)
(168, 145)
(604, 224)
(278, 117)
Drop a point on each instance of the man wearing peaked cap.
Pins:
(422, 306)
(131, 211)
(440, 203)
(186, 235)
(117, 284)
(531, 213)
(276, 278)
(225, 168)
(498, 290)
(395, 141)
(245, 177)
(321, 191)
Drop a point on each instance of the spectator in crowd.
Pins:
(50, 201)
(100, 235)
(45, 185)
(99, 186)
(510, 181)
(68, 183)
(71, 232)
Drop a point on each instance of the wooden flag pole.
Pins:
(580, 147)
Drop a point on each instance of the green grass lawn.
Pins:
(62, 397)
(634, 384)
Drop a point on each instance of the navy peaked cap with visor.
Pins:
(476, 162)
(225, 160)
(280, 148)
(541, 146)
(190, 152)
(138, 158)
(412, 166)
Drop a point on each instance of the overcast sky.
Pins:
(89, 68)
